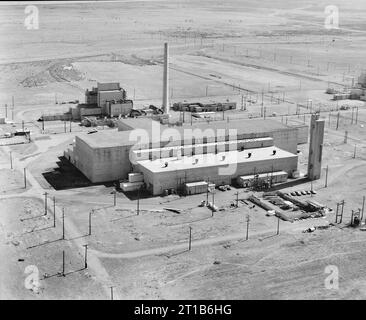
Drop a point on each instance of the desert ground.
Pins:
(235, 50)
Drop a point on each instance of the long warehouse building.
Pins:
(170, 157)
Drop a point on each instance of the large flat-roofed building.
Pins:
(169, 157)
(102, 156)
(221, 168)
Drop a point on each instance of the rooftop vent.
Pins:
(274, 152)
(249, 154)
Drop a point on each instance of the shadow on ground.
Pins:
(67, 176)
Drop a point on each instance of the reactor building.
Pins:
(144, 153)
(171, 157)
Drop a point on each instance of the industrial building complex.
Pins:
(169, 157)
(107, 99)
(172, 158)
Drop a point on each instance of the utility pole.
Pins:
(248, 220)
(114, 197)
(63, 223)
(25, 178)
(345, 136)
(342, 203)
(237, 199)
(6, 111)
(354, 152)
(213, 197)
(90, 226)
(207, 193)
(352, 215)
(326, 177)
(45, 204)
(63, 263)
(11, 160)
(86, 256)
(111, 292)
(356, 115)
(54, 212)
(363, 207)
(190, 239)
(278, 225)
(337, 121)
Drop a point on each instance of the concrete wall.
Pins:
(115, 109)
(91, 97)
(83, 157)
(286, 139)
(90, 112)
(104, 96)
(101, 164)
(111, 164)
(315, 147)
(158, 182)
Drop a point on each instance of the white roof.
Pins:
(196, 184)
(214, 160)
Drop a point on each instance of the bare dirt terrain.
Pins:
(219, 50)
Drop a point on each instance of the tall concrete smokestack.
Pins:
(315, 147)
(166, 80)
